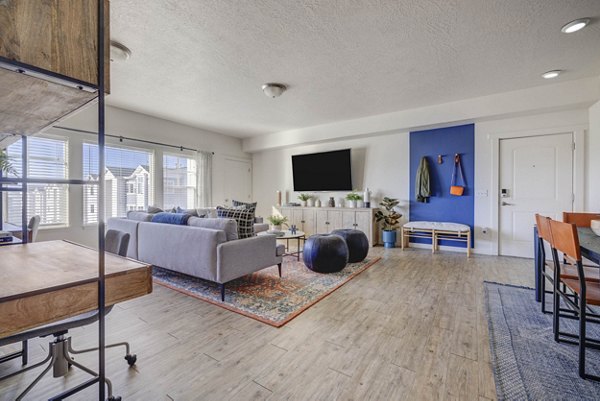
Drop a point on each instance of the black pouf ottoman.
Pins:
(325, 253)
(358, 244)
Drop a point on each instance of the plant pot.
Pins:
(303, 203)
(389, 238)
(351, 203)
(276, 228)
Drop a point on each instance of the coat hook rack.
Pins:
(440, 159)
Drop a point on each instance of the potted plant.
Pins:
(353, 197)
(5, 164)
(390, 219)
(277, 222)
(304, 198)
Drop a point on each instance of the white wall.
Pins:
(381, 162)
(593, 160)
(140, 126)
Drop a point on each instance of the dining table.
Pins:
(589, 243)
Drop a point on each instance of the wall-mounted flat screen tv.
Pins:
(326, 171)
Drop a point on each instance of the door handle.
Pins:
(507, 204)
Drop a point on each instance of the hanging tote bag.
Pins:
(457, 190)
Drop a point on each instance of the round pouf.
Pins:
(325, 253)
(358, 244)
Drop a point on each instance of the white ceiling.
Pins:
(202, 63)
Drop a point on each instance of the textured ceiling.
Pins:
(202, 62)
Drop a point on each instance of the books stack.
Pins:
(5, 236)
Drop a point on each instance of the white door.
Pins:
(536, 176)
(238, 180)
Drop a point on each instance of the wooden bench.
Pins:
(436, 231)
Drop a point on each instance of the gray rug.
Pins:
(527, 363)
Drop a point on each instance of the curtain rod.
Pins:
(121, 137)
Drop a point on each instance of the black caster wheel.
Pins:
(114, 398)
(131, 359)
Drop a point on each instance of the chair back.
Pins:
(543, 226)
(117, 242)
(565, 239)
(580, 219)
(33, 226)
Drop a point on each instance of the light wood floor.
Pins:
(412, 327)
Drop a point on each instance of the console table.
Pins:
(323, 220)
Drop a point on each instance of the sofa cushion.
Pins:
(139, 216)
(227, 225)
(171, 218)
(191, 212)
(210, 212)
(244, 219)
(280, 250)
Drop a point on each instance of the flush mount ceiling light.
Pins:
(118, 51)
(576, 25)
(273, 90)
(551, 74)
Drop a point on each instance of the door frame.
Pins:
(578, 132)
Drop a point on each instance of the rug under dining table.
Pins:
(527, 363)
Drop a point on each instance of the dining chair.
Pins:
(60, 349)
(576, 294)
(34, 226)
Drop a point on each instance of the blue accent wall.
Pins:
(442, 206)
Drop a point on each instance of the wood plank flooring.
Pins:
(412, 327)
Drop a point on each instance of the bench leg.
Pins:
(469, 244)
(433, 241)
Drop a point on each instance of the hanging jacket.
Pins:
(422, 182)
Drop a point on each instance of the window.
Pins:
(46, 158)
(179, 181)
(128, 181)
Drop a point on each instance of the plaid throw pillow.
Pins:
(243, 217)
(247, 205)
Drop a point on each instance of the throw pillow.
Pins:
(171, 218)
(154, 209)
(247, 205)
(243, 218)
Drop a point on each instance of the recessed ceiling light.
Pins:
(551, 74)
(576, 25)
(273, 90)
(118, 51)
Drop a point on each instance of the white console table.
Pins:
(323, 220)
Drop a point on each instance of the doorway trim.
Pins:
(578, 132)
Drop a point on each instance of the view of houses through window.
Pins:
(47, 158)
(128, 181)
(179, 181)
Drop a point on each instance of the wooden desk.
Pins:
(45, 282)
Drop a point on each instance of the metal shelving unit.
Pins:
(20, 184)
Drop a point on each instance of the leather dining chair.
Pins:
(577, 291)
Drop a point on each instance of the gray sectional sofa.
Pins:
(207, 248)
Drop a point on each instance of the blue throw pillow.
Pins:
(171, 218)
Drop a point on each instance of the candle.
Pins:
(278, 198)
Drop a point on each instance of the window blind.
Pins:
(179, 181)
(128, 181)
(46, 158)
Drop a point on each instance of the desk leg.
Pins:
(433, 241)
(537, 265)
(402, 238)
(469, 244)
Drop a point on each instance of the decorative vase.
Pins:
(331, 202)
(360, 204)
(318, 203)
(303, 203)
(351, 203)
(311, 202)
(389, 238)
(275, 227)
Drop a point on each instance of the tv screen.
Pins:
(327, 171)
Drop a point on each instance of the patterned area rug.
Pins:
(528, 364)
(263, 295)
